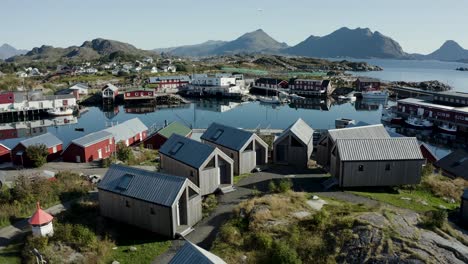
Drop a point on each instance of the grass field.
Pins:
(145, 253)
(11, 254)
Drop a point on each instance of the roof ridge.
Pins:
(150, 173)
(348, 128)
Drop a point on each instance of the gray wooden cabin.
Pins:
(190, 253)
(464, 208)
(376, 162)
(164, 204)
(295, 145)
(328, 141)
(246, 148)
(206, 166)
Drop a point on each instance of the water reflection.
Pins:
(324, 104)
(23, 129)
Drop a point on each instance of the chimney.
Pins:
(165, 123)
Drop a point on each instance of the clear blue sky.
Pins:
(418, 25)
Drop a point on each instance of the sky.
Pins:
(420, 26)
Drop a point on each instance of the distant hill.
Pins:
(253, 42)
(7, 51)
(449, 51)
(345, 42)
(89, 50)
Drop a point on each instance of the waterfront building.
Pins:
(308, 87)
(129, 132)
(247, 150)
(365, 83)
(53, 144)
(109, 93)
(165, 84)
(270, 84)
(94, 146)
(139, 94)
(164, 204)
(451, 98)
(157, 139)
(295, 145)
(206, 166)
(5, 153)
(82, 88)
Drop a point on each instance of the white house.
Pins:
(214, 81)
(81, 88)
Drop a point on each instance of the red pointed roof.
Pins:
(40, 217)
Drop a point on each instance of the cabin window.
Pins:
(136, 94)
(127, 203)
(361, 168)
(387, 167)
(295, 142)
(176, 148)
(152, 211)
(218, 133)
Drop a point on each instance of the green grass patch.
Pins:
(238, 178)
(415, 202)
(146, 251)
(11, 254)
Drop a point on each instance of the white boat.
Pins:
(269, 100)
(295, 96)
(389, 116)
(374, 94)
(60, 111)
(447, 128)
(419, 123)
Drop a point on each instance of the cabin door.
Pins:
(78, 159)
(99, 152)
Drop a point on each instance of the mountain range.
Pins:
(344, 42)
(7, 51)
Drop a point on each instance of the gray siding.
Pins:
(113, 205)
(248, 161)
(295, 156)
(234, 155)
(374, 174)
(175, 167)
(209, 180)
(464, 211)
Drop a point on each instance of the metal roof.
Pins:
(417, 101)
(379, 149)
(229, 137)
(111, 87)
(455, 163)
(174, 128)
(301, 130)
(127, 129)
(371, 131)
(47, 139)
(190, 253)
(150, 186)
(79, 85)
(92, 138)
(192, 153)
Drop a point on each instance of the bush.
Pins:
(282, 253)
(284, 185)
(124, 153)
(434, 219)
(78, 236)
(209, 204)
(37, 154)
(105, 163)
(262, 241)
(230, 234)
(272, 186)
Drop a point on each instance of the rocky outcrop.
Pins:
(434, 86)
(461, 69)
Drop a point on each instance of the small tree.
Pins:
(124, 153)
(37, 154)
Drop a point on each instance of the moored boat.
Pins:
(419, 123)
(374, 94)
(60, 111)
(389, 116)
(269, 100)
(447, 128)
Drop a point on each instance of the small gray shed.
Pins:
(164, 204)
(295, 145)
(376, 162)
(328, 141)
(190, 253)
(246, 148)
(206, 166)
(464, 208)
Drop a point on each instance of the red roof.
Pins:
(40, 217)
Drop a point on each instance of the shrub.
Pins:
(37, 154)
(209, 204)
(434, 219)
(282, 253)
(284, 185)
(262, 241)
(105, 163)
(230, 234)
(445, 187)
(272, 186)
(77, 235)
(124, 153)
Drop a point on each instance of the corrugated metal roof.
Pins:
(455, 163)
(92, 138)
(190, 253)
(229, 137)
(301, 129)
(379, 149)
(174, 128)
(80, 85)
(372, 131)
(145, 185)
(111, 87)
(127, 129)
(192, 153)
(47, 139)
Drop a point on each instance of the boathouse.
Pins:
(129, 132)
(464, 208)
(328, 141)
(82, 88)
(139, 94)
(109, 93)
(5, 153)
(190, 253)
(376, 162)
(53, 144)
(308, 87)
(206, 166)
(428, 154)
(169, 83)
(270, 83)
(246, 149)
(164, 204)
(94, 146)
(295, 145)
(157, 139)
(454, 164)
(365, 83)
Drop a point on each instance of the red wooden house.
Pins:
(139, 94)
(94, 146)
(270, 83)
(364, 84)
(5, 153)
(53, 144)
(156, 140)
(129, 132)
(428, 154)
(165, 83)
